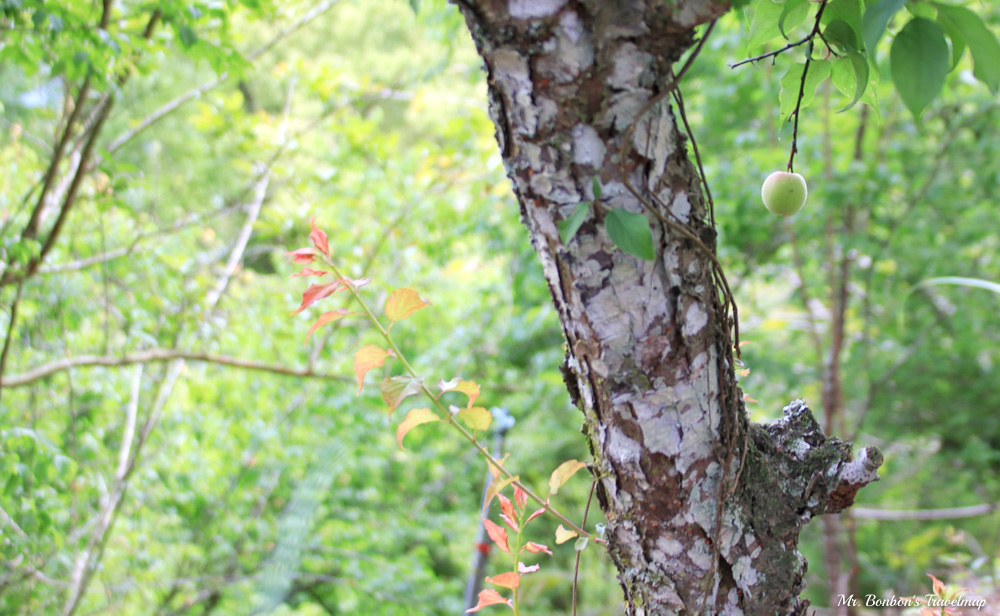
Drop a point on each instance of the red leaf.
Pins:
(327, 317)
(535, 515)
(510, 522)
(938, 586)
(506, 506)
(320, 240)
(497, 534)
(520, 497)
(488, 597)
(303, 255)
(507, 580)
(309, 272)
(317, 292)
(535, 548)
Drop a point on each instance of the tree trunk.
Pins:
(703, 508)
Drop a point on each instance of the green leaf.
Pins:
(848, 11)
(792, 14)
(792, 81)
(596, 185)
(981, 41)
(631, 233)
(850, 76)
(876, 19)
(569, 227)
(957, 41)
(840, 33)
(398, 388)
(919, 63)
(188, 36)
(763, 24)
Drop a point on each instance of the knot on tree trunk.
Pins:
(794, 472)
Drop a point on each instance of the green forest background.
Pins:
(256, 491)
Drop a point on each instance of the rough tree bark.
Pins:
(704, 509)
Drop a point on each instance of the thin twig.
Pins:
(576, 567)
(802, 85)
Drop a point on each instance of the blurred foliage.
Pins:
(288, 495)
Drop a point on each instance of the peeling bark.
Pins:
(703, 508)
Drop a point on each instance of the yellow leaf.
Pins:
(402, 303)
(563, 473)
(747, 398)
(493, 469)
(563, 535)
(368, 357)
(476, 418)
(414, 418)
(495, 487)
(469, 388)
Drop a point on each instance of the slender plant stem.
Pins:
(448, 417)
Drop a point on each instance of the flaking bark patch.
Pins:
(648, 351)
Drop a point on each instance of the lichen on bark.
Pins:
(703, 510)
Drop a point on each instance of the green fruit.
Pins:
(784, 193)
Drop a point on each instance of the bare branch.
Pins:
(924, 514)
(158, 355)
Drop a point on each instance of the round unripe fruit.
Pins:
(784, 193)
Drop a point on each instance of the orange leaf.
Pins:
(368, 357)
(563, 473)
(563, 535)
(747, 398)
(535, 548)
(414, 418)
(402, 303)
(507, 580)
(488, 597)
(319, 238)
(317, 292)
(497, 534)
(327, 317)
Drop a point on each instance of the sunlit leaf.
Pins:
(562, 473)
(563, 535)
(469, 388)
(416, 417)
(402, 303)
(368, 357)
(476, 418)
